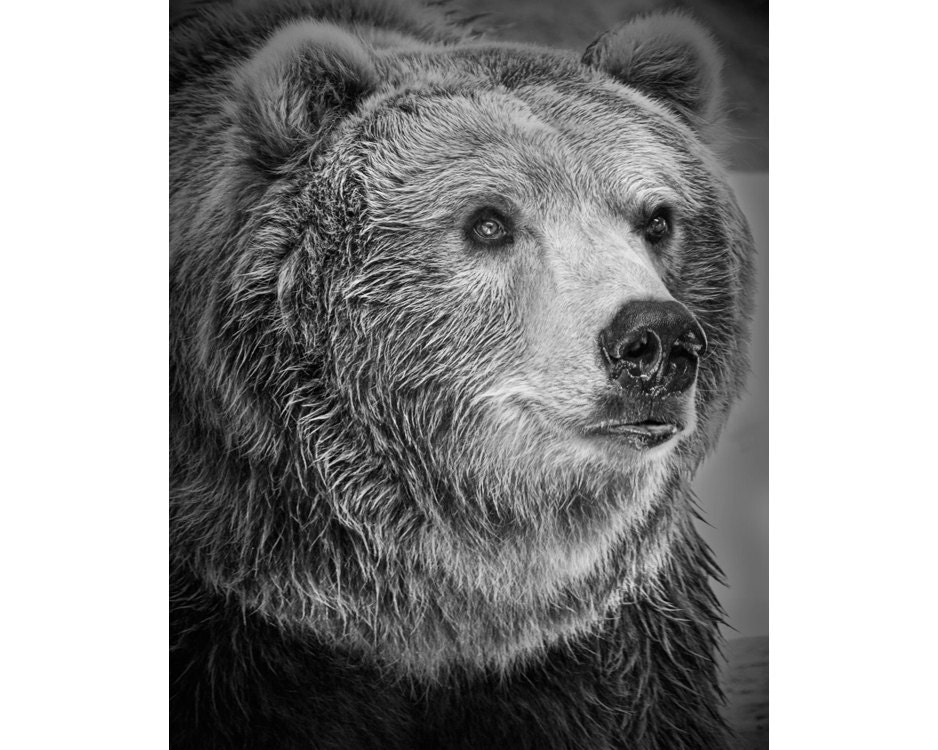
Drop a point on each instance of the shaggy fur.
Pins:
(389, 526)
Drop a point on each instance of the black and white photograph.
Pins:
(395, 374)
(468, 385)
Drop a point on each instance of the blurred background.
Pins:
(732, 485)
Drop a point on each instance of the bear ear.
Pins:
(668, 57)
(296, 87)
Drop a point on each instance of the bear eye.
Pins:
(658, 227)
(489, 228)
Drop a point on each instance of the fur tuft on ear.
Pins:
(668, 57)
(296, 87)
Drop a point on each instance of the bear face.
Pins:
(400, 421)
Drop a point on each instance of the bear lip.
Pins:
(641, 435)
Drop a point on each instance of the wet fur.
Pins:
(376, 540)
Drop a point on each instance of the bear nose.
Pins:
(653, 346)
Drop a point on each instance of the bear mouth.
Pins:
(642, 435)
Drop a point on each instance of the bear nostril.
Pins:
(694, 341)
(642, 354)
(636, 349)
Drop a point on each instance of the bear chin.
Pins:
(515, 532)
(537, 548)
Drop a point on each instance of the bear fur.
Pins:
(388, 529)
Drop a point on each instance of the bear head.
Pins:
(453, 325)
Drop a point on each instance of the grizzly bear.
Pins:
(453, 322)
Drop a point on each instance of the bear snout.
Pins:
(653, 347)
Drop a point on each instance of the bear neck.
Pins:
(236, 674)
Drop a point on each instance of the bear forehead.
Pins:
(523, 119)
(539, 88)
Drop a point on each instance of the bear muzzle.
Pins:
(651, 351)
